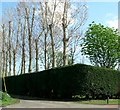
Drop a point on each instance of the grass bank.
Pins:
(5, 99)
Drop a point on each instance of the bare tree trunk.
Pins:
(14, 61)
(30, 29)
(48, 61)
(36, 48)
(52, 37)
(23, 48)
(53, 47)
(72, 56)
(4, 83)
(9, 48)
(15, 49)
(45, 51)
(45, 40)
(65, 40)
(3, 50)
(6, 67)
(64, 48)
(24, 63)
(29, 39)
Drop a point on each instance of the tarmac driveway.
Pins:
(55, 104)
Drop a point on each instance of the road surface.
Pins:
(55, 104)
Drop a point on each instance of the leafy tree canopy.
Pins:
(101, 45)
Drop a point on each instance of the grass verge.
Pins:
(5, 99)
(100, 102)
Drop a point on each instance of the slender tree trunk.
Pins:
(23, 48)
(45, 51)
(29, 39)
(16, 47)
(9, 48)
(21, 33)
(3, 50)
(65, 40)
(53, 47)
(6, 67)
(72, 56)
(30, 29)
(64, 48)
(36, 45)
(48, 61)
(4, 83)
(52, 37)
(14, 62)
(45, 36)
(24, 62)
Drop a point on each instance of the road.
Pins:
(55, 104)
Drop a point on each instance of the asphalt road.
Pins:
(55, 104)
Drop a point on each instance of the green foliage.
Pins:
(6, 99)
(65, 82)
(101, 45)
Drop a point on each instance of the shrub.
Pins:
(65, 82)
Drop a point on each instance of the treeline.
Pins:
(44, 34)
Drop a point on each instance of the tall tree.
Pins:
(72, 22)
(16, 44)
(101, 45)
(46, 32)
(51, 25)
(65, 39)
(23, 47)
(30, 30)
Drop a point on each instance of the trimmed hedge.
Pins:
(65, 82)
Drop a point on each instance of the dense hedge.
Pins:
(65, 82)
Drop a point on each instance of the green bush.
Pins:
(65, 82)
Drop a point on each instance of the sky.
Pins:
(102, 12)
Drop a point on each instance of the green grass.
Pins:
(5, 99)
(111, 101)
